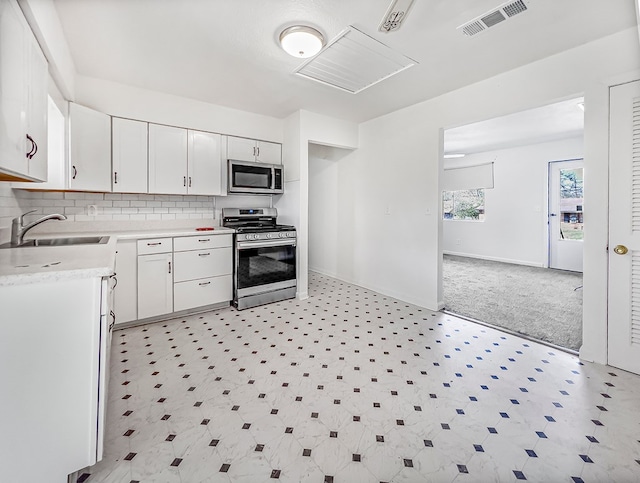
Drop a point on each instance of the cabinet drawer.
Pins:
(196, 293)
(202, 264)
(154, 245)
(201, 241)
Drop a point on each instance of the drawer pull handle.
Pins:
(204, 283)
(169, 267)
(204, 240)
(154, 244)
(204, 254)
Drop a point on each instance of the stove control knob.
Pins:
(282, 235)
(268, 235)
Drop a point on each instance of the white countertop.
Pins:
(49, 264)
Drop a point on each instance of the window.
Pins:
(463, 205)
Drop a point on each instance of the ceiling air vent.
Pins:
(494, 17)
(354, 61)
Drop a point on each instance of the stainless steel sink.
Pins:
(61, 242)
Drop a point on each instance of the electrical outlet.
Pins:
(387, 210)
(458, 241)
(92, 210)
(427, 211)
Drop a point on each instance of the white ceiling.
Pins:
(225, 51)
(547, 123)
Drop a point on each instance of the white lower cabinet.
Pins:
(126, 300)
(198, 293)
(159, 276)
(155, 282)
(202, 277)
(54, 340)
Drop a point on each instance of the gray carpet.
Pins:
(538, 302)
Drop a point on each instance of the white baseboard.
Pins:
(325, 272)
(494, 259)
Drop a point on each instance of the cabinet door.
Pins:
(125, 296)
(90, 150)
(155, 285)
(241, 149)
(167, 159)
(269, 152)
(13, 79)
(38, 106)
(205, 164)
(129, 150)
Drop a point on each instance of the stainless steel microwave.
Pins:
(255, 178)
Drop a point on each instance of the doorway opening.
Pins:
(498, 266)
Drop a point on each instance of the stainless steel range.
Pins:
(264, 256)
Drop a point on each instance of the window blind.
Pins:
(468, 177)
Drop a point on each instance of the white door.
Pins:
(13, 141)
(167, 160)
(129, 146)
(566, 203)
(90, 150)
(205, 163)
(267, 152)
(624, 228)
(38, 102)
(241, 149)
(155, 285)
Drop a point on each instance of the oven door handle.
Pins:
(266, 244)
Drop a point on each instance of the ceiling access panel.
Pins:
(354, 61)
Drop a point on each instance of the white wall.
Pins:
(145, 105)
(515, 226)
(301, 129)
(397, 168)
(43, 19)
(324, 205)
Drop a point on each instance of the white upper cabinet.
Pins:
(129, 151)
(23, 99)
(268, 152)
(167, 159)
(90, 149)
(205, 164)
(183, 161)
(243, 149)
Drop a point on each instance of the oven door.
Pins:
(263, 266)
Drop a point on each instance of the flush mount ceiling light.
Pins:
(301, 41)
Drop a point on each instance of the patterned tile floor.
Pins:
(352, 386)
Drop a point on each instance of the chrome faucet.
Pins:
(19, 230)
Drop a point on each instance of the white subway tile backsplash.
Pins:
(53, 195)
(116, 206)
